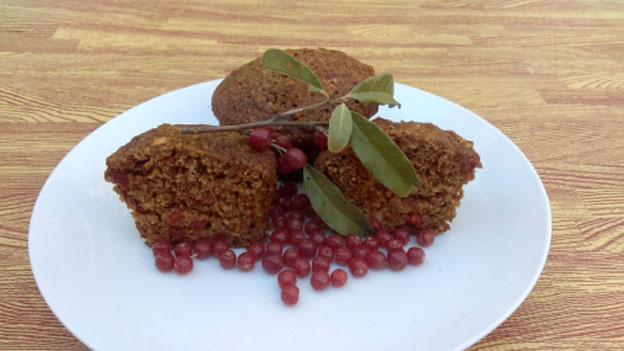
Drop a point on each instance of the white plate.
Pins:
(98, 277)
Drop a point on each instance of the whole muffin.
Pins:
(189, 186)
(443, 160)
(249, 95)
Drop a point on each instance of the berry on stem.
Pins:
(335, 241)
(282, 140)
(260, 138)
(295, 158)
(320, 140)
(280, 234)
(352, 241)
(317, 237)
(327, 252)
(274, 247)
(402, 234)
(307, 248)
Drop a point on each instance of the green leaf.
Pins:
(282, 62)
(340, 125)
(331, 205)
(376, 89)
(382, 157)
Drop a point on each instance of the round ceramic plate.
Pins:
(99, 278)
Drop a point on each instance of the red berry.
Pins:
(307, 248)
(415, 256)
(272, 263)
(327, 252)
(342, 255)
(219, 247)
(376, 259)
(161, 246)
(290, 255)
(414, 219)
(317, 237)
(282, 140)
(352, 241)
(397, 259)
(314, 225)
(246, 261)
(176, 215)
(286, 277)
(256, 249)
(288, 188)
(358, 267)
(297, 214)
(320, 140)
(383, 237)
(371, 243)
(260, 138)
(280, 222)
(274, 247)
(183, 248)
(339, 277)
(375, 224)
(280, 234)
(425, 237)
(203, 248)
(301, 266)
(359, 250)
(285, 203)
(227, 259)
(335, 241)
(294, 224)
(320, 263)
(283, 167)
(183, 264)
(295, 158)
(319, 280)
(290, 294)
(296, 236)
(402, 234)
(164, 261)
(300, 201)
(394, 244)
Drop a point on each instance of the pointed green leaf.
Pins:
(282, 62)
(376, 89)
(340, 125)
(331, 205)
(382, 157)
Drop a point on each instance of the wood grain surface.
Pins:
(549, 74)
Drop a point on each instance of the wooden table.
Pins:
(549, 74)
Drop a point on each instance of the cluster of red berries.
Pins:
(298, 248)
(291, 158)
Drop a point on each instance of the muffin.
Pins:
(444, 161)
(249, 95)
(189, 186)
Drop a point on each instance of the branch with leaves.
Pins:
(376, 150)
